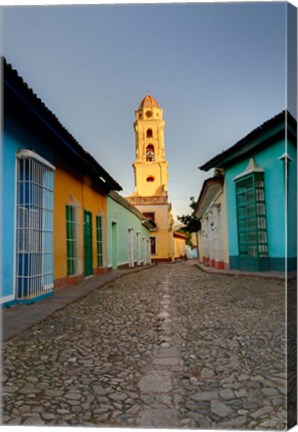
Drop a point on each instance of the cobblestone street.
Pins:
(170, 346)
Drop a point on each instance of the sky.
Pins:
(217, 69)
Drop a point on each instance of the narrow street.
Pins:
(170, 346)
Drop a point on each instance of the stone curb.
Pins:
(261, 275)
(21, 317)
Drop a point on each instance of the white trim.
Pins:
(130, 247)
(26, 154)
(15, 227)
(139, 247)
(114, 222)
(252, 167)
(123, 263)
(100, 215)
(7, 298)
(285, 157)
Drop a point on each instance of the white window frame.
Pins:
(34, 260)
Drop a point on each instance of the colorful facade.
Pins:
(52, 212)
(211, 210)
(151, 178)
(261, 196)
(80, 234)
(179, 245)
(128, 234)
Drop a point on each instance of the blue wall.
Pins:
(14, 138)
(268, 159)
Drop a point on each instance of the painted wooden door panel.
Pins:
(88, 269)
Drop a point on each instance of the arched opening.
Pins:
(149, 133)
(150, 155)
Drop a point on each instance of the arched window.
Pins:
(150, 155)
(149, 133)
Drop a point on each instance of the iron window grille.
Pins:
(34, 226)
(99, 241)
(72, 239)
(251, 216)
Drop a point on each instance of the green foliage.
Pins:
(191, 222)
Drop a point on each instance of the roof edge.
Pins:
(208, 182)
(15, 83)
(284, 116)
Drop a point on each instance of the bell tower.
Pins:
(150, 194)
(150, 166)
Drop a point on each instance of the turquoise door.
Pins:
(88, 268)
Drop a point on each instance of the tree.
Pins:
(191, 222)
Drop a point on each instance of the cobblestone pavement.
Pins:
(170, 346)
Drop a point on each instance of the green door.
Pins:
(88, 269)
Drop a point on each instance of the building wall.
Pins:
(158, 171)
(122, 220)
(292, 203)
(164, 238)
(213, 244)
(71, 187)
(200, 248)
(15, 137)
(158, 168)
(179, 247)
(224, 224)
(268, 159)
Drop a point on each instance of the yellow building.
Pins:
(80, 208)
(150, 195)
(179, 245)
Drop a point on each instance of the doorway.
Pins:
(88, 268)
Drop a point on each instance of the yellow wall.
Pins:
(164, 238)
(179, 246)
(149, 118)
(72, 188)
(157, 170)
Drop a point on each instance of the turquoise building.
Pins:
(260, 180)
(128, 234)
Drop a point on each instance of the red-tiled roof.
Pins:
(149, 102)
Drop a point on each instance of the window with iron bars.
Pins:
(99, 241)
(34, 225)
(72, 239)
(251, 216)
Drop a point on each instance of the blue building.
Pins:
(33, 142)
(27, 179)
(260, 181)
